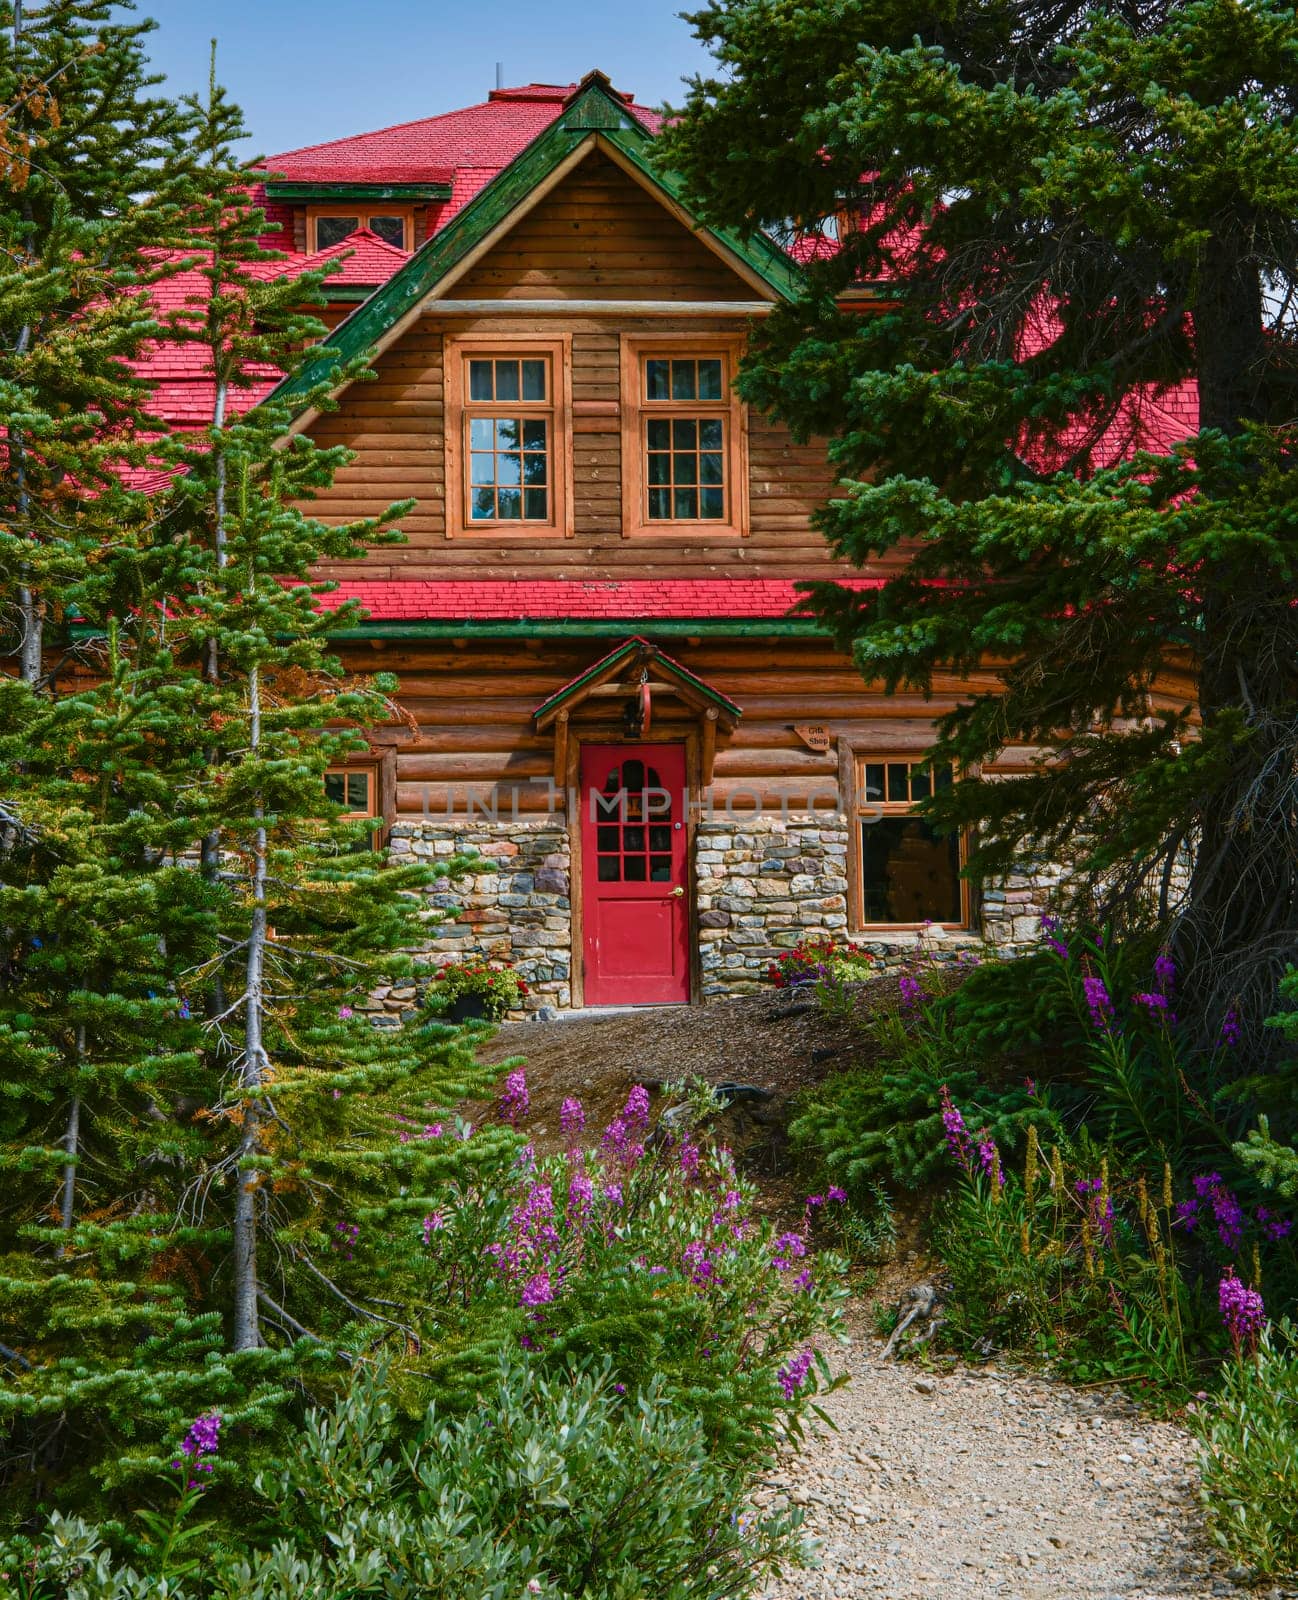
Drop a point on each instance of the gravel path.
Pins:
(985, 1482)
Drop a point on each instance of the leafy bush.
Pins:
(1249, 1456)
(1066, 1261)
(556, 1487)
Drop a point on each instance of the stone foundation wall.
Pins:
(515, 907)
(764, 884)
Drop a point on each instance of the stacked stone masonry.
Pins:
(762, 885)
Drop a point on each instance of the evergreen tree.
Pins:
(86, 224)
(176, 1172)
(1067, 212)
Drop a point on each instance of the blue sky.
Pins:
(304, 72)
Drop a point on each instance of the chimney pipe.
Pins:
(500, 74)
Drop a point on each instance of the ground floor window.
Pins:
(356, 789)
(907, 874)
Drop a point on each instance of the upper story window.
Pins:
(684, 463)
(508, 451)
(905, 873)
(330, 225)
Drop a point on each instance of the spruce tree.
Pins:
(1067, 213)
(176, 1172)
(85, 226)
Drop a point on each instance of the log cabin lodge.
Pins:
(669, 774)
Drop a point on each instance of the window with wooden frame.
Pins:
(330, 225)
(358, 790)
(508, 444)
(905, 873)
(684, 445)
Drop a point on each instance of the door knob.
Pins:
(677, 892)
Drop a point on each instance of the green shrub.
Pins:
(561, 1487)
(1249, 1457)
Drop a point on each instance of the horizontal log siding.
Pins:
(394, 424)
(472, 707)
(598, 236)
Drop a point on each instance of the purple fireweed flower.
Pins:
(199, 1447)
(814, 1200)
(514, 1099)
(787, 1249)
(572, 1116)
(1275, 1228)
(1227, 1212)
(910, 991)
(1187, 1214)
(793, 1375)
(1230, 1030)
(1157, 1004)
(581, 1197)
(957, 1135)
(1243, 1312)
(1164, 971)
(1098, 1003)
(345, 1013)
(613, 1193)
(834, 1193)
(1050, 934)
(689, 1159)
(989, 1157)
(803, 1281)
(434, 1222)
(698, 1263)
(636, 1111)
(537, 1291)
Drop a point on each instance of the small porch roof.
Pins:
(636, 654)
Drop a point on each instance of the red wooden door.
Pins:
(634, 892)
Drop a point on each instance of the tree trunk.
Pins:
(247, 1331)
(71, 1144)
(1243, 893)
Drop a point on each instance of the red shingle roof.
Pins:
(367, 261)
(484, 138)
(636, 600)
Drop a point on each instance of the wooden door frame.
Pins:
(611, 733)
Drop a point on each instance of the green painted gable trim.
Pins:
(614, 659)
(593, 110)
(357, 191)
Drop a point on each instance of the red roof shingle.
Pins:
(634, 600)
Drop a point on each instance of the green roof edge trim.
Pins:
(357, 191)
(588, 628)
(593, 111)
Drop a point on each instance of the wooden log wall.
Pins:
(473, 701)
(598, 235)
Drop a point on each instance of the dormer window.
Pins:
(330, 225)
